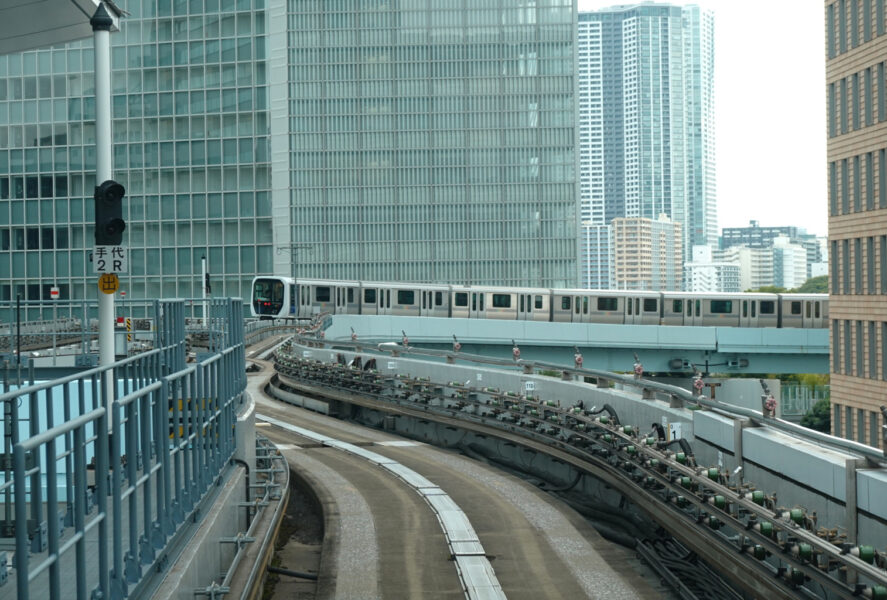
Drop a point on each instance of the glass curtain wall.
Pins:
(190, 135)
(433, 140)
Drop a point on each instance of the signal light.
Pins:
(109, 223)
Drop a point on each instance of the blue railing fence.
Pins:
(95, 488)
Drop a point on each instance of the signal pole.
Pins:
(101, 23)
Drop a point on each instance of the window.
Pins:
(873, 429)
(677, 306)
(350, 295)
(860, 356)
(369, 296)
(651, 305)
(873, 351)
(796, 308)
(565, 302)
(537, 302)
(322, 294)
(836, 346)
(460, 299)
(768, 307)
(501, 300)
(608, 304)
(745, 308)
(438, 298)
(836, 420)
(721, 307)
(406, 297)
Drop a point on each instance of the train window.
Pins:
(677, 306)
(721, 307)
(689, 308)
(768, 307)
(565, 303)
(650, 305)
(698, 302)
(369, 296)
(607, 303)
(538, 302)
(473, 301)
(754, 308)
(322, 294)
(522, 303)
(460, 299)
(350, 295)
(577, 305)
(406, 297)
(585, 305)
(816, 309)
(628, 305)
(745, 308)
(424, 300)
(438, 298)
(808, 309)
(501, 300)
(387, 298)
(796, 308)
(481, 300)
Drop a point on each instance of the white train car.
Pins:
(327, 296)
(405, 299)
(490, 302)
(720, 310)
(274, 297)
(605, 306)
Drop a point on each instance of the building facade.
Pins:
(426, 141)
(647, 254)
(705, 274)
(431, 142)
(856, 44)
(646, 120)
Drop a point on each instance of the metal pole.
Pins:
(203, 287)
(101, 23)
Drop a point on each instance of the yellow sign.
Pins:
(108, 283)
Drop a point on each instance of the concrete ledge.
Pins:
(205, 558)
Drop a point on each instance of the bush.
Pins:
(819, 417)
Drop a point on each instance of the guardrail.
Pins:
(108, 464)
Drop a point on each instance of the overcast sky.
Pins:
(770, 111)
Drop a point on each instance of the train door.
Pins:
(633, 313)
(476, 308)
(693, 311)
(748, 312)
(369, 301)
(813, 314)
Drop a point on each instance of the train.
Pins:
(275, 297)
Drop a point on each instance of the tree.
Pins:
(819, 417)
(769, 289)
(814, 285)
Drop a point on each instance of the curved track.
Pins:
(384, 541)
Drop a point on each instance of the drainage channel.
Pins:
(475, 571)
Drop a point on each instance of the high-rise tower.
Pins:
(380, 139)
(646, 124)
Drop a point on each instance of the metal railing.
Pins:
(101, 486)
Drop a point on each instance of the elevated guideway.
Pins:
(604, 346)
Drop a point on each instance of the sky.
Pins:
(770, 111)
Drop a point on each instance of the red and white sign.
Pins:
(54, 293)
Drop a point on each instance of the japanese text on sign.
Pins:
(110, 259)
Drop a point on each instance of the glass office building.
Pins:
(380, 139)
(190, 134)
(429, 140)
